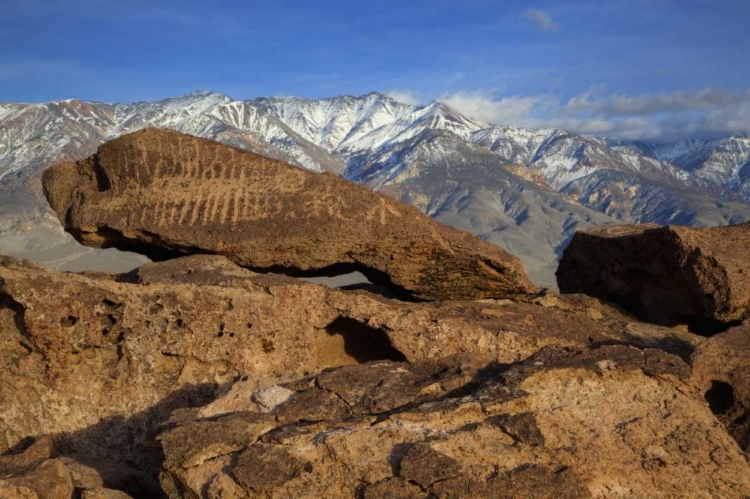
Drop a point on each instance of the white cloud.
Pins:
(405, 97)
(682, 114)
(483, 106)
(542, 19)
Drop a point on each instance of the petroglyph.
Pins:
(173, 191)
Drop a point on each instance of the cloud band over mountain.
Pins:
(705, 113)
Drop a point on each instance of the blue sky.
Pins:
(530, 63)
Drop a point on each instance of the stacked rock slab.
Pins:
(669, 275)
(162, 193)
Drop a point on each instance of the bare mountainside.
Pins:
(527, 190)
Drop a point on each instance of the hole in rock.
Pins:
(351, 280)
(107, 322)
(102, 181)
(346, 341)
(339, 275)
(113, 239)
(708, 327)
(69, 321)
(349, 276)
(720, 397)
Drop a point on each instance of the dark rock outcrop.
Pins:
(669, 275)
(161, 193)
(615, 421)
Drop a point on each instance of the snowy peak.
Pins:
(439, 116)
(329, 122)
(515, 144)
(164, 113)
(435, 116)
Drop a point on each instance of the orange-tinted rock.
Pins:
(99, 349)
(612, 421)
(162, 194)
(105, 359)
(669, 275)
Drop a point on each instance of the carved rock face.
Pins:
(162, 194)
(669, 275)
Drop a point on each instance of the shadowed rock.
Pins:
(161, 193)
(669, 275)
(722, 371)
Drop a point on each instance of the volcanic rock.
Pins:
(102, 359)
(613, 421)
(669, 275)
(161, 193)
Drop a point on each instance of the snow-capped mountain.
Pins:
(721, 162)
(329, 123)
(36, 135)
(526, 189)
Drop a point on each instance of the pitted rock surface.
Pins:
(669, 275)
(162, 194)
(612, 421)
(115, 354)
(99, 361)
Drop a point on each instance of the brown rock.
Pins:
(162, 194)
(721, 370)
(394, 488)
(116, 355)
(115, 358)
(669, 275)
(43, 469)
(424, 465)
(9, 491)
(604, 422)
(48, 479)
(262, 468)
(524, 482)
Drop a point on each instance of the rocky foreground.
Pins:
(221, 375)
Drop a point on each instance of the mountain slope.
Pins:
(470, 188)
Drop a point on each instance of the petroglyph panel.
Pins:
(156, 189)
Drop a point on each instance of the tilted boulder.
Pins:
(669, 275)
(608, 422)
(161, 193)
